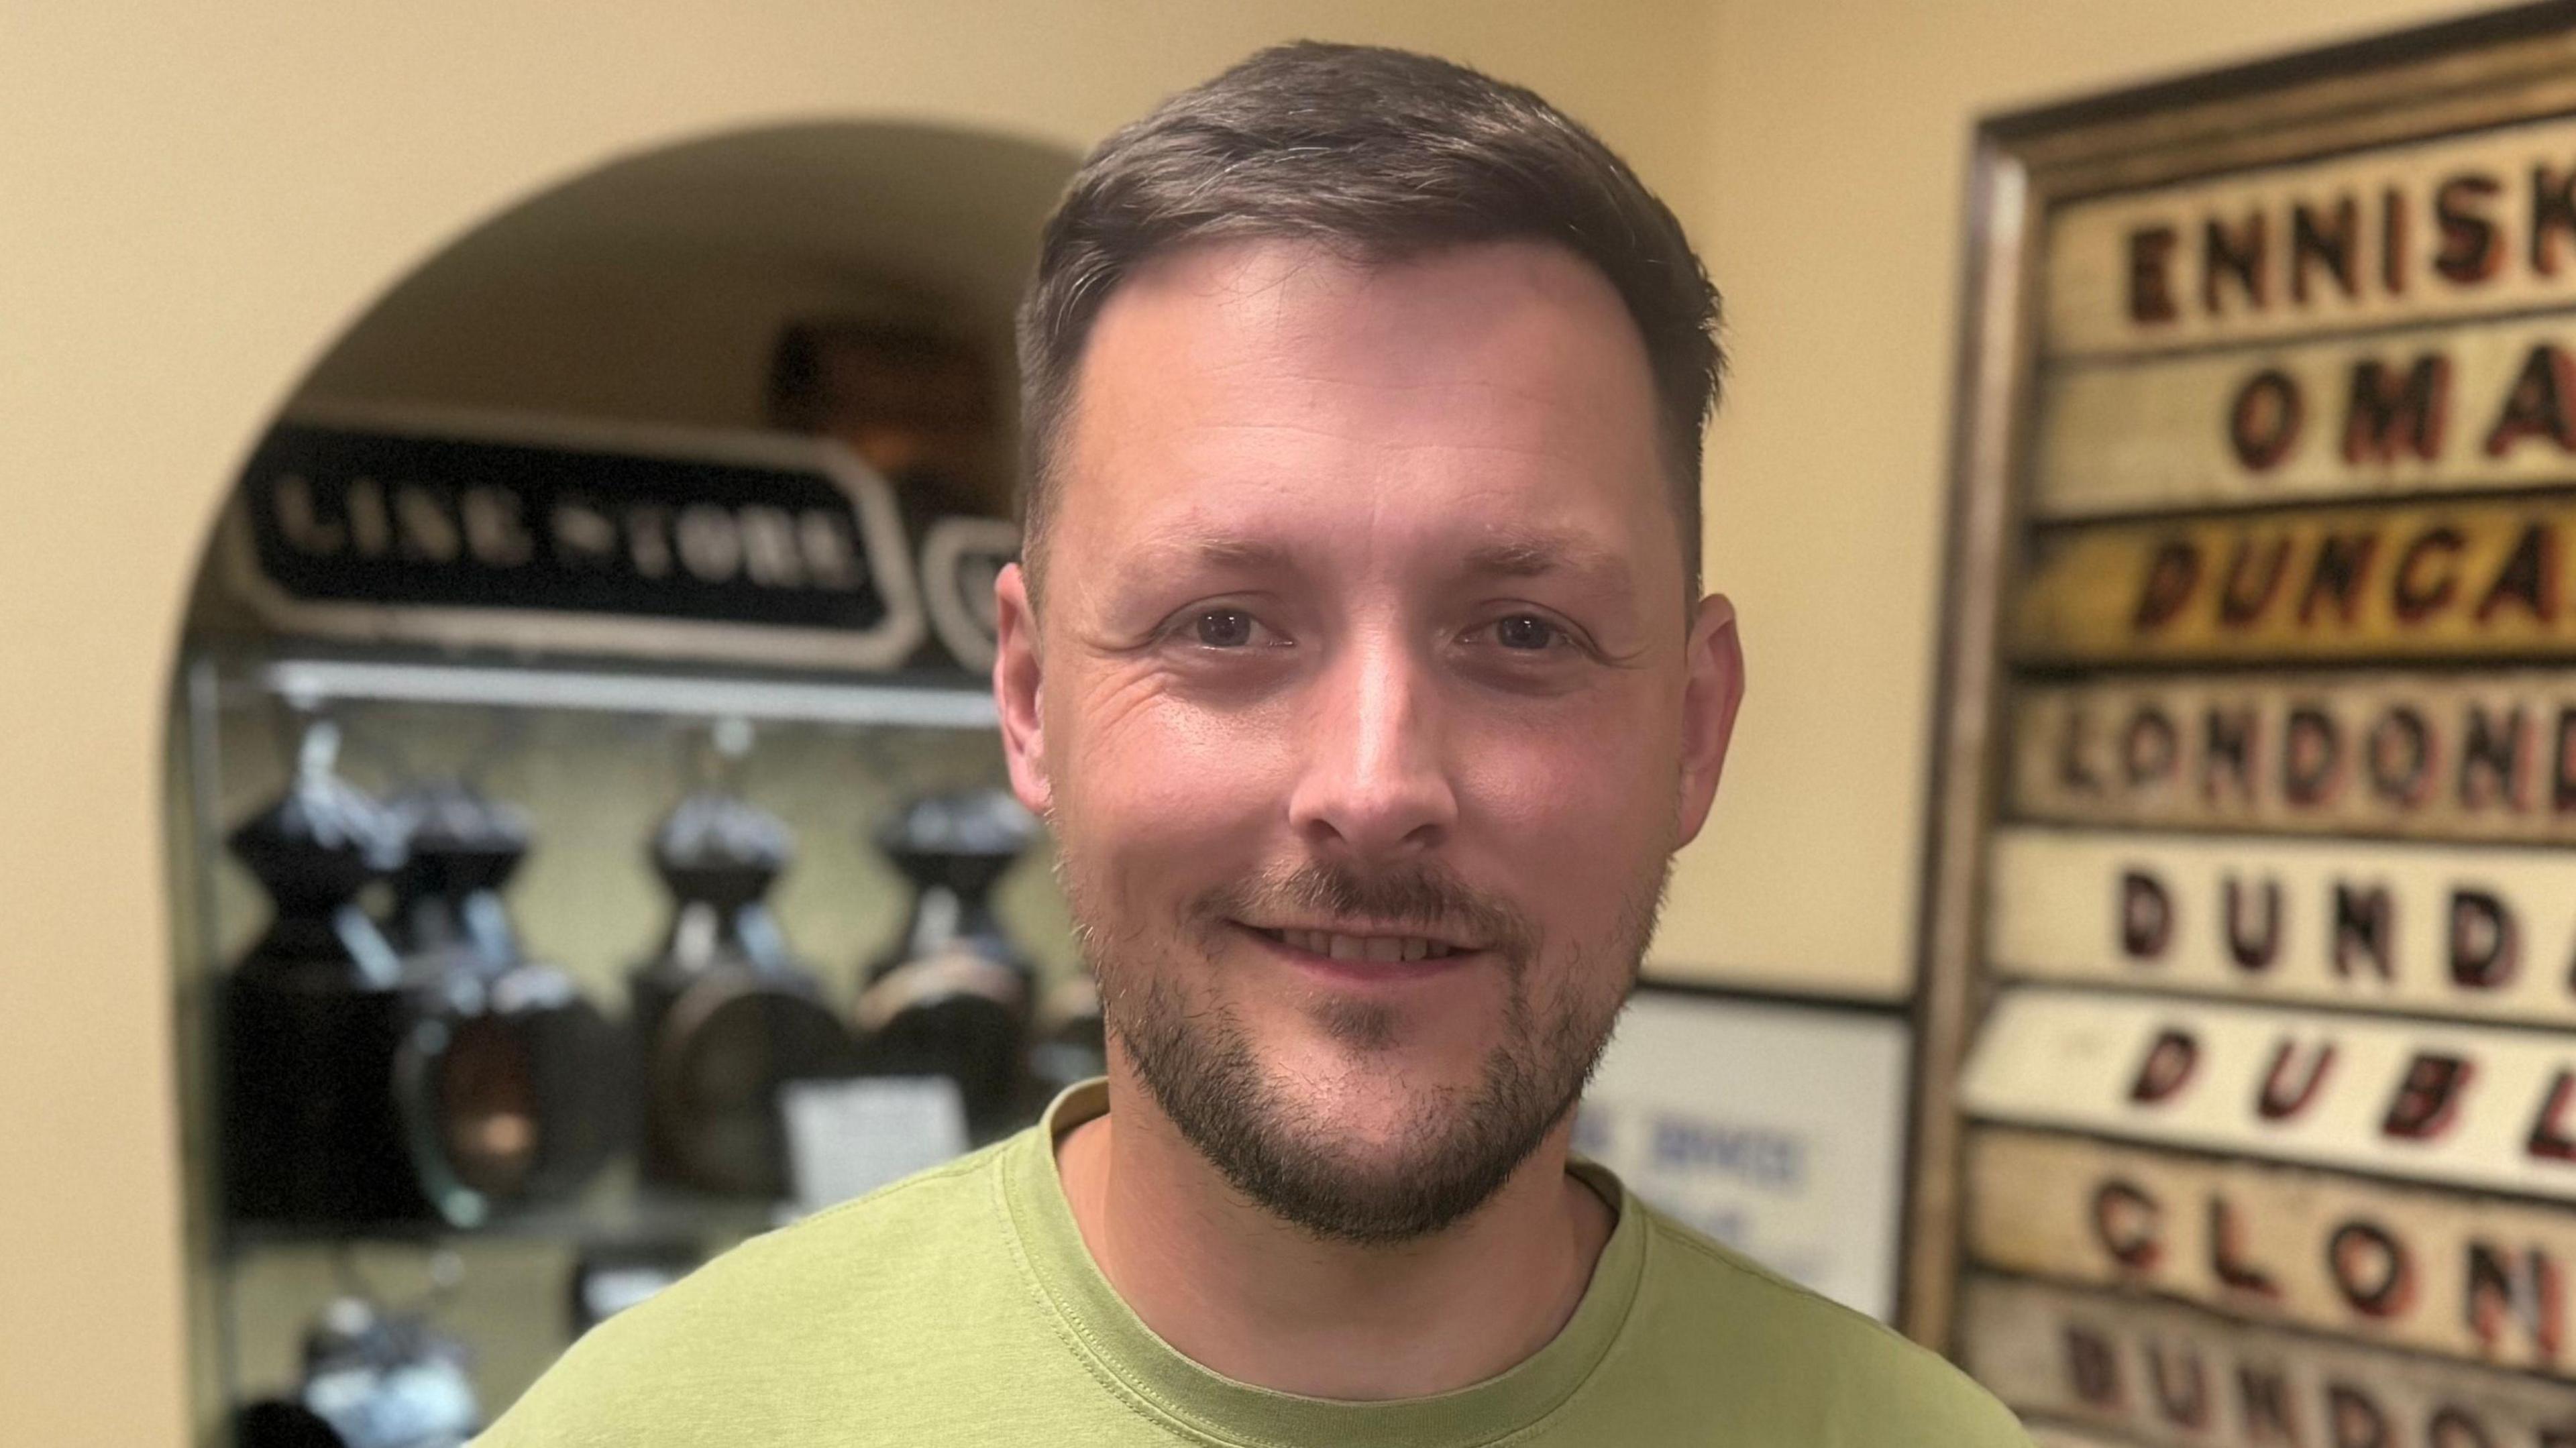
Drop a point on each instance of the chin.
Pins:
(1362, 1115)
(1372, 1107)
(1380, 1159)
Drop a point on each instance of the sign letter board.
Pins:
(467, 531)
(2248, 1106)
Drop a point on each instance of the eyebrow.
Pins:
(1538, 555)
(1217, 552)
(1534, 555)
(1251, 554)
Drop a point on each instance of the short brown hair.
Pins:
(1381, 154)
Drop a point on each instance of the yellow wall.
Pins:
(1837, 158)
(194, 200)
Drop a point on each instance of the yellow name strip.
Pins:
(2465, 580)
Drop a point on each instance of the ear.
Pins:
(1018, 689)
(1710, 696)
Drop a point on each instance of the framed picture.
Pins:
(1776, 1127)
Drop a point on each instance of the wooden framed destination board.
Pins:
(2247, 1111)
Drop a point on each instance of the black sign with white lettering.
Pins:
(740, 546)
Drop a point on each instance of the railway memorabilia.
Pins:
(2474, 756)
(472, 531)
(385, 1379)
(917, 404)
(2422, 929)
(2164, 1374)
(2434, 1271)
(2383, 412)
(521, 1083)
(2247, 1105)
(953, 998)
(2482, 579)
(2474, 1107)
(611, 1277)
(316, 1014)
(724, 1016)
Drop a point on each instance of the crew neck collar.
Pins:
(1150, 1371)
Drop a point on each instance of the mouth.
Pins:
(1361, 954)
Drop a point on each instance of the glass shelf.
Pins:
(615, 1210)
(943, 700)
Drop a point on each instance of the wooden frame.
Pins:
(2487, 71)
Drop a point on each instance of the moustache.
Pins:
(1418, 899)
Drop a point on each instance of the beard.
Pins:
(1454, 1147)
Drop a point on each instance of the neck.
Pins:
(1249, 1296)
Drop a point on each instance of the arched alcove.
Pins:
(653, 288)
(648, 297)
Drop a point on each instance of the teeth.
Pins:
(1384, 949)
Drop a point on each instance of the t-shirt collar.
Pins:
(1156, 1378)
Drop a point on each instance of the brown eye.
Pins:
(1522, 631)
(1225, 628)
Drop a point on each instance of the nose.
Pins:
(1375, 782)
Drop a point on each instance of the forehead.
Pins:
(1272, 376)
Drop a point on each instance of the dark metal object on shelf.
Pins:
(953, 998)
(723, 1014)
(433, 916)
(608, 1279)
(917, 404)
(316, 1014)
(384, 1379)
(280, 1423)
(520, 1080)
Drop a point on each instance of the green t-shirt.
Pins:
(961, 1307)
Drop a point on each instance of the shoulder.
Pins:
(1845, 1377)
(753, 1330)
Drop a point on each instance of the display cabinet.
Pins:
(580, 717)
(586, 797)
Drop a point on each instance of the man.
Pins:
(1358, 659)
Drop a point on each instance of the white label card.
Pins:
(848, 1138)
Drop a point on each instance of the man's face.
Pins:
(1365, 704)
